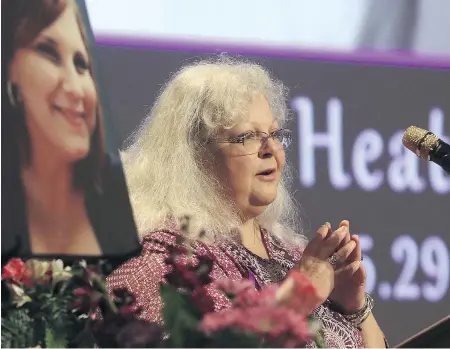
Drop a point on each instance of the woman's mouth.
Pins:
(75, 116)
(267, 175)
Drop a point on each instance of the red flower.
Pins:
(86, 299)
(202, 301)
(17, 271)
(188, 274)
(14, 269)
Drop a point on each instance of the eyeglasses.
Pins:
(252, 142)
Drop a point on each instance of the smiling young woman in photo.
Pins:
(54, 126)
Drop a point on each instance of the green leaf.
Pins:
(181, 319)
(320, 341)
(315, 324)
(18, 330)
(176, 303)
(236, 339)
(55, 339)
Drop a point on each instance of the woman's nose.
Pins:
(267, 148)
(71, 84)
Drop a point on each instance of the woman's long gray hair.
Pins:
(167, 172)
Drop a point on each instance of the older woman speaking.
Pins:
(213, 147)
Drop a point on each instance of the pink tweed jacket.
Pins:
(142, 275)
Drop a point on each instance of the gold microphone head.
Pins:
(419, 141)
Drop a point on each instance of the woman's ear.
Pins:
(11, 86)
(12, 74)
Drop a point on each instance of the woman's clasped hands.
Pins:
(332, 261)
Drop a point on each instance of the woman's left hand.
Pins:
(350, 279)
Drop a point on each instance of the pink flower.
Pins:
(82, 291)
(297, 292)
(276, 313)
(276, 324)
(251, 297)
(213, 322)
(234, 287)
(244, 293)
(247, 298)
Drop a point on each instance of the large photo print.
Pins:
(64, 190)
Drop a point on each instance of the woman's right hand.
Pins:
(314, 262)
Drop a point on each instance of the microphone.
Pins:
(428, 146)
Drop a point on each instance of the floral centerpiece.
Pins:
(42, 303)
(52, 305)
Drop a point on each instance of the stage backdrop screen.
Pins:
(348, 120)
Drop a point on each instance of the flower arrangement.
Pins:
(276, 316)
(52, 305)
(41, 305)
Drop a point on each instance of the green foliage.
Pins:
(237, 339)
(46, 317)
(181, 319)
(16, 330)
(55, 339)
